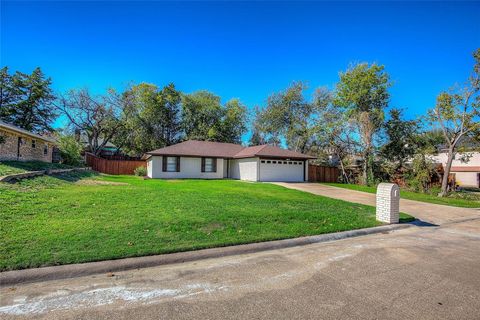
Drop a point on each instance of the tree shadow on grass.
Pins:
(53, 180)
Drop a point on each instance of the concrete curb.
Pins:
(16, 277)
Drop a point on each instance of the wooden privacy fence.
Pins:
(322, 173)
(113, 166)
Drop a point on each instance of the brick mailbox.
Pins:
(388, 202)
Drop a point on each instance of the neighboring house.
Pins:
(22, 145)
(109, 149)
(467, 174)
(215, 160)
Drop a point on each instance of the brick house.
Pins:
(22, 145)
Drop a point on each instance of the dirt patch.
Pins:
(173, 180)
(91, 182)
(209, 228)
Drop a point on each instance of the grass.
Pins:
(78, 217)
(13, 167)
(455, 201)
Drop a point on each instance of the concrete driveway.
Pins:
(428, 212)
(422, 272)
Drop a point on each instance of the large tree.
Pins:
(401, 139)
(363, 92)
(95, 116)
(26, 100)
(333, 132)
(151, 118)
(457, 114)
(204, 118)
(287, 116)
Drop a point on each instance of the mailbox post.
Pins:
(388, 203)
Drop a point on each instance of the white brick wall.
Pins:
(388, 203)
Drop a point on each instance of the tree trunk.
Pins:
(446, 173)
(366, 165)
(343, 171)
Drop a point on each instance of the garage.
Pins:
(286, 170)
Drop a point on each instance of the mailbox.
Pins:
(388, 203)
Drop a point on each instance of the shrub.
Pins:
(418, 179)
(70, 150)
(140, 171)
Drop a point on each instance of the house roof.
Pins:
(270, 151)
(225, 150)
(11, 127)
(465, 169)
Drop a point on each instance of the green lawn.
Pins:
(12, 167)
(79, 217)
(449, 201)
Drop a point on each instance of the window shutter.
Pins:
(164, 164)
(203, 164)
(178, 164)
(214, 164)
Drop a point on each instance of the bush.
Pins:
(70, 150)
(140, 171)
(418, 179)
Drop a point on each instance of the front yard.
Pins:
(79, 217)
(465, 199)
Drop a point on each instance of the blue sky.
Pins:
(246, 50)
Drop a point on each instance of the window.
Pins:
(269, 161)
(263, 161)
(285, 162)
(45, 150)
(274, 162)
(209, 165)
(33, 144)
(171, 164)
(290, 162)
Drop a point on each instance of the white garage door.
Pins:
(281, 170)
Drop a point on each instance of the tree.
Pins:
(233, 122)
(95, 116)
(401, 143)
(287, 116)
(333, 132)
(457, 114)
(363, 92)
(202, 111)
(26, 100)
(204, 118)
(151, 118)
(70, 149)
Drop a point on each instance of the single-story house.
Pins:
(215, 160)
(467, 174)
(22, 145)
